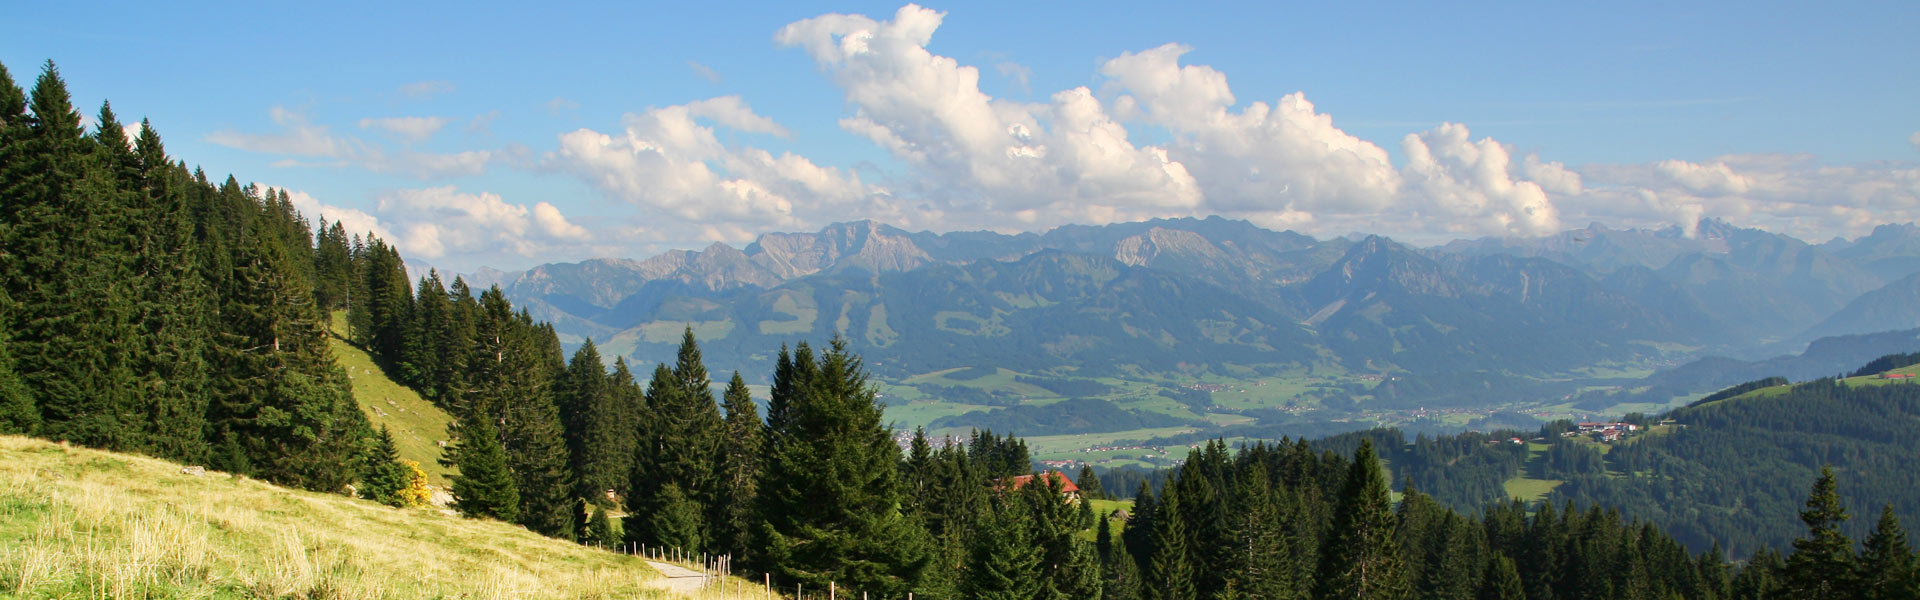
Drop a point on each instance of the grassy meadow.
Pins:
(82, 523)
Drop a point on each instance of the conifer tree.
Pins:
(1452, 571)
(1259, 561)
(830, 493)
(681, 444)
(386, 477)
(70, 317)
(1502, 581)
(484, 488)
(283, 410)
(1120, 573)
(172, 307)
(1887, 562)
(599, 529)
(1360, 558)
(1170, 566)
(1004, 563)
(589, 412)
(1090, 484)
(1138, 537)
(509, 383)
(1822, 563)
(739, 471)
(630, 419)
(676, 521)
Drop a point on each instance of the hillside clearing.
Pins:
(418, 426)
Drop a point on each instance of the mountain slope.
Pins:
(101, 524)
(1737, 470)
(1896, 306)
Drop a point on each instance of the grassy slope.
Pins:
(88, 523)
(417, 425)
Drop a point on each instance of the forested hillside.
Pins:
(1731, 474)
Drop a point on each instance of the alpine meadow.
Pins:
(990, 302)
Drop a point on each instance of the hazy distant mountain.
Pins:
(1180, 298)
(1896, 306)
(1755, 286)
(1891, 252)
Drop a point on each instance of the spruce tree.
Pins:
(386, 477)
(71, 317)
(1170, 570)
(830, 493)
(1822, 563)
(681, 443)
(676, 521)
(1259, 559)
(1887, 562)
(732, 518)
(1004, 563)
(1120, 573)
(283, 411)
(589, 413)
(1502, 581)
(1138, 537)
(630, 418)
(484, 488)
(1360, 559)
(1090, 484)
(599, 529)
(173, 306)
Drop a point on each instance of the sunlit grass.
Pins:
(81, 523)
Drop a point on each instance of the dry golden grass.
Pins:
(81, 523)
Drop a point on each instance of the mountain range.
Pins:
(1191, 299)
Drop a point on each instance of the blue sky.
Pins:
(512, 134)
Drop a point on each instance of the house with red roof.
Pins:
(1068, 490)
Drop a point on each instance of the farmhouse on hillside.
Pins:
(1068, 491)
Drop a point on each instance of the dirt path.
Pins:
(677, 578)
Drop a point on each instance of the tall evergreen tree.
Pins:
(1170, 566)
(1259, 564)
(676, 521)
(1138, 537)
(172, 307)
(1502, 581)
(1360, 558)
(484, 487)
(682, 438)
(1822, 563)
(1120, 573)
(830, 494)
(1090, 484)
(1004, 563)
(71, 316)
(588, 410)
(739, 471)
(630, 409)
(284, 411)
(1887, 563)
(510, 384)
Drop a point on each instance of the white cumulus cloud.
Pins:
(671, 162)
(978, 157)
(439, 221)
(1470, 184)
